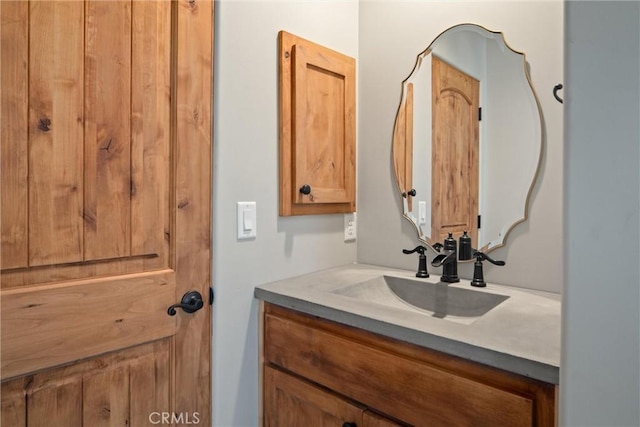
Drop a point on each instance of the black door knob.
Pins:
(305, 189)
(411, 193)
(190, 303)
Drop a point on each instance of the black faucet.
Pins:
(448, 259)
(422, 260)
(478, 276)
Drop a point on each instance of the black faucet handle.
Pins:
(478, 275)
(481, 256)
(438, 246)
(422, 260)
(420, 249)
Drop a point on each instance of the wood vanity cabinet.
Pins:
(320, 373)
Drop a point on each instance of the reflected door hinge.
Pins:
(210, 295)
(479, 221)
(479, 113)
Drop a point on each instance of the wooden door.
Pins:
(106, 211)
(290, 402)
(455, 176)
(403, 147)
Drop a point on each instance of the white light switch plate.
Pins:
(350, 227)
(246, 220)
(422, 212)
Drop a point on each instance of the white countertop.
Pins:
(520, 335)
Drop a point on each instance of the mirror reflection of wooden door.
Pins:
(403, 150)
(455, 176)
(106, 194)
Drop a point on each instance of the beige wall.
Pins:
(600, 315)
(384, 37)
(246, 169)
(600, 374)
(392, 33)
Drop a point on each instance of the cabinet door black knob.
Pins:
(305, 189)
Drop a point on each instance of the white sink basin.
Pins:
(438, 300)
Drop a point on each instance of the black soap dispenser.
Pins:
(464, 247)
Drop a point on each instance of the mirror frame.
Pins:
(540, 117)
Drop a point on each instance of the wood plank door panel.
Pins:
(106, 202)
(14, 107)
(55, 94)
(455, 152)
(126, 387)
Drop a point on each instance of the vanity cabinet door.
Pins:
(290, 402)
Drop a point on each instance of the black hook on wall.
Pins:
(556, 88)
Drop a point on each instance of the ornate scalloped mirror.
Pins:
(467, 141)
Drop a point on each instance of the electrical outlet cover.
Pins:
(350, 227)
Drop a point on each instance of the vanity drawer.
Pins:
(406, 382)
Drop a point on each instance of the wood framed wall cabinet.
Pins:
(317, 128)
(106, 212)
